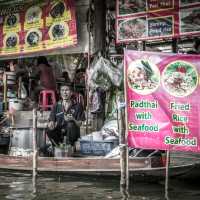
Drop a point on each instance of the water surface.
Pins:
(20, 187)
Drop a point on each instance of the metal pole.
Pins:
(175, 50)
(88, 67)
(5, 91)
(124, 181)
(34, 148)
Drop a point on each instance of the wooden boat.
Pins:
(140, 166)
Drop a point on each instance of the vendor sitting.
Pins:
(65, 119)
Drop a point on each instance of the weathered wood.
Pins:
(35, 152)
(124, 182)
(72, 164)
(167, 176)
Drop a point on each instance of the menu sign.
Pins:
(39, 27)
(160, 26)
(154, 5)
(162, 94)
(161, 19)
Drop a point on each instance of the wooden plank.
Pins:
(70, 164)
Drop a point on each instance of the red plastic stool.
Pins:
(47, 99)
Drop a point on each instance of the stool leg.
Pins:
(44, 101)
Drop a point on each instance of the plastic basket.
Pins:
(97, 148)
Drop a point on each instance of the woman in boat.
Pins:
(65, 118)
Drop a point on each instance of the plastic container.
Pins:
(63, 152)
(97, 148)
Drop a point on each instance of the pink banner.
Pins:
(162, 96)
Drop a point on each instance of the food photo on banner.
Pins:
(162, 97)
(38, 27)
(190, 20)
(156, 19)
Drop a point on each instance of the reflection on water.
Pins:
(20, 187)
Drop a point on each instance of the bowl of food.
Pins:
(58, 31)
(33, 37)
(11, 40)
(33, 14)
(12, 20)
(57, 10)
(143, 76)
(180, 78)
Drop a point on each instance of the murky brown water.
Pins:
(20, 187)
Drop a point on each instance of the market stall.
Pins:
(59, 31)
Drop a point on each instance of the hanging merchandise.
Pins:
(104, 74)
(112, 105)
(98, 101)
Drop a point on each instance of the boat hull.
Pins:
(94, 166)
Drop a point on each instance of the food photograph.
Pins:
(11, 40)
(143, 77)
(57, 10)
(131, 28)
(180, 78)
(33, 37)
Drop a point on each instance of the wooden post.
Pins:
(34, 147)
(124, 181)
(167, 175)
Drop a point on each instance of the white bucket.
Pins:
(63, 152)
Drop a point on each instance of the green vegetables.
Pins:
(147, 68)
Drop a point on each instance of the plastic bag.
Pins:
(114, 74)
(103, 74)
(110, 129)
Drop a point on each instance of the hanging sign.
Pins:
(162, 98)
(37, 27)
(156, 19)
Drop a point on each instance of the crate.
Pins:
(97, 148)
